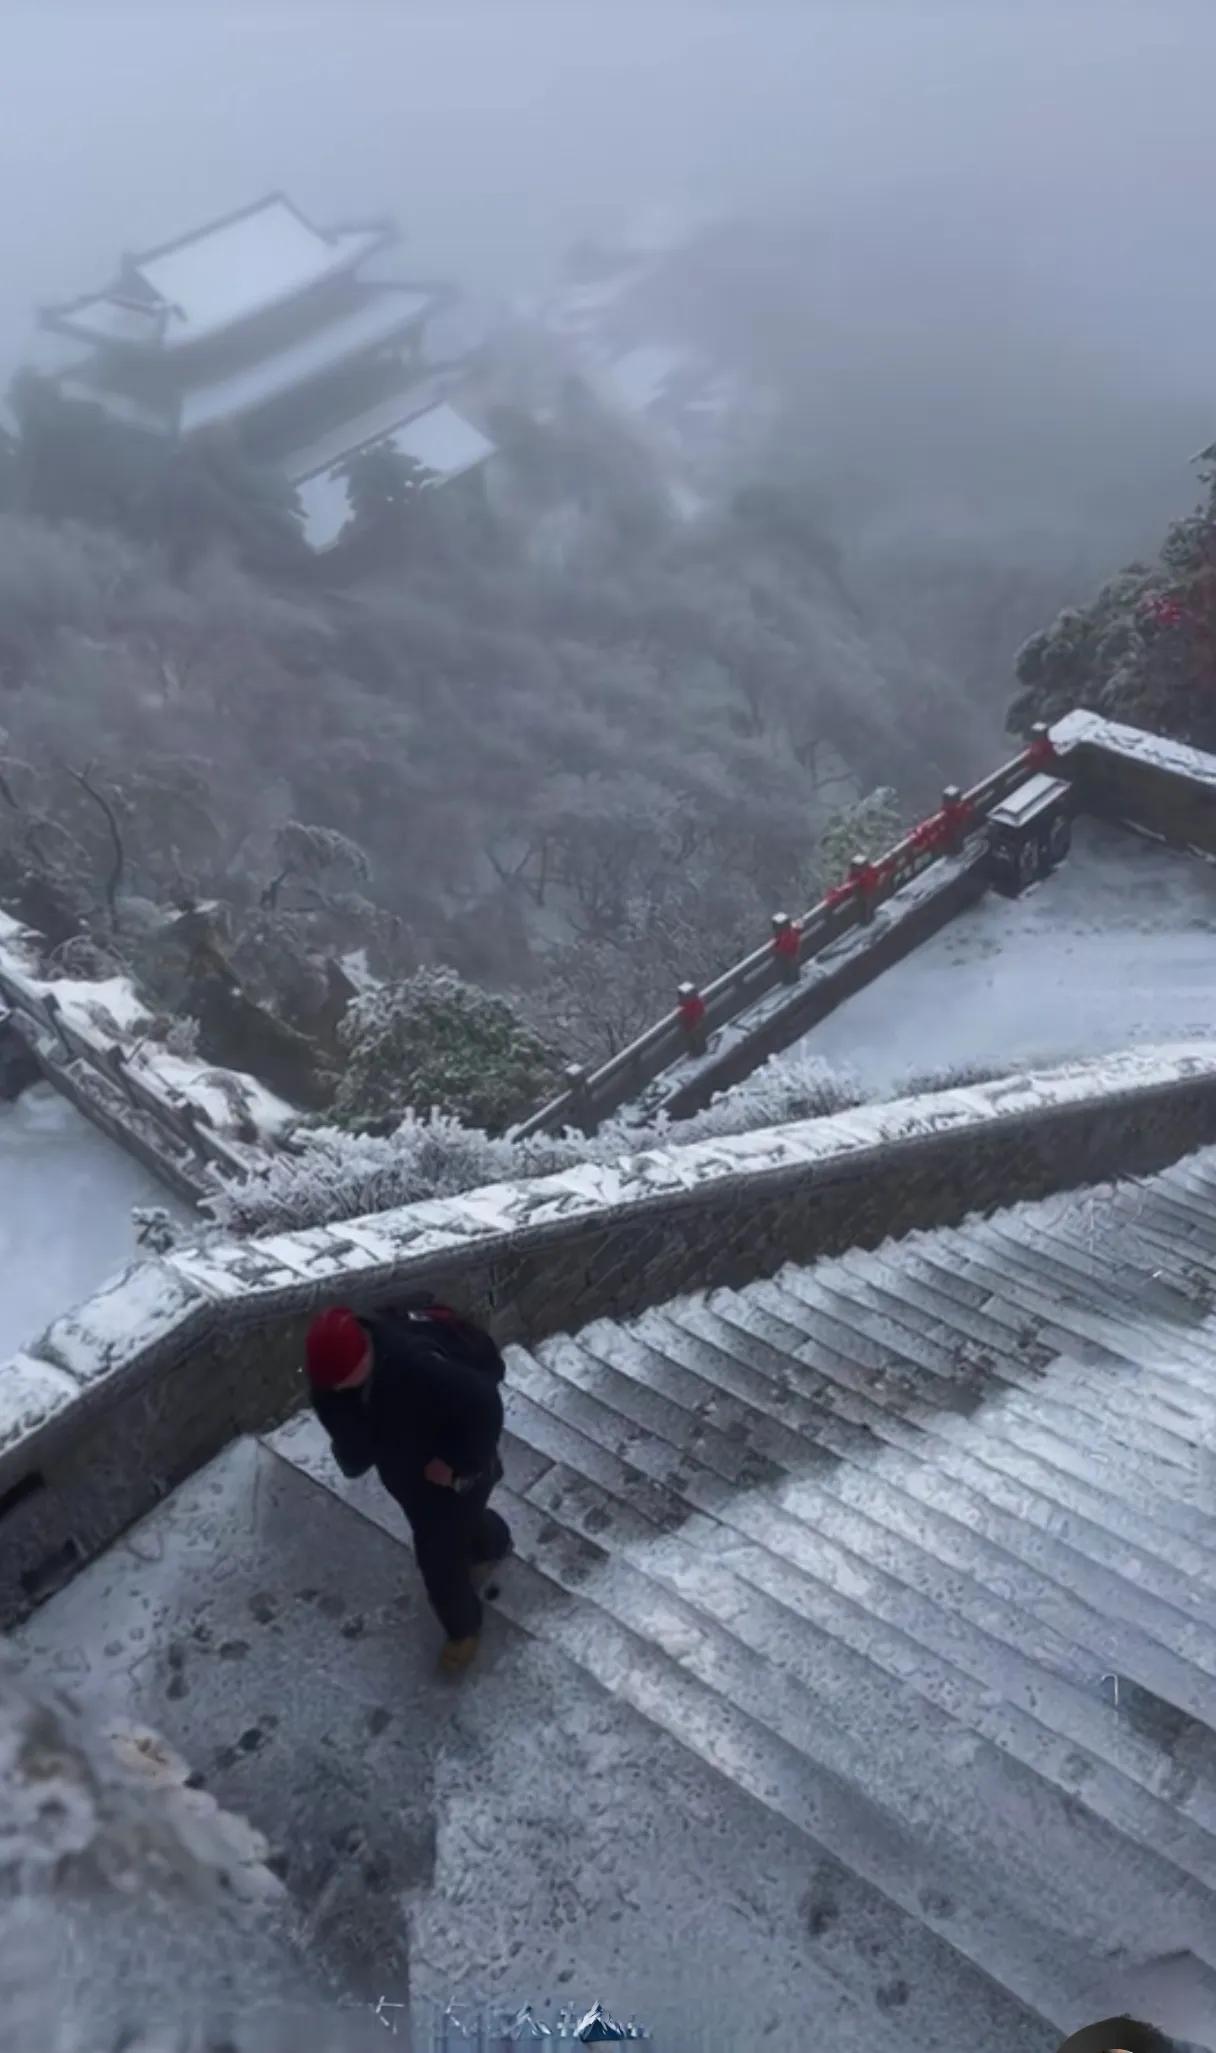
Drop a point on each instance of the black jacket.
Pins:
(432, 1395)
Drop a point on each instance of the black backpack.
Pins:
(446, 1332)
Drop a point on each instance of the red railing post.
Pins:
(691, 1008)
(952, 819)
(1040, 749)
(787, 947)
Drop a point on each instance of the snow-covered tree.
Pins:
(382, 487)
(432, 1042)
(1143, 650)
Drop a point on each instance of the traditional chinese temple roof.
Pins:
(204, 284)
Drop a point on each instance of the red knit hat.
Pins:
(335, 1347)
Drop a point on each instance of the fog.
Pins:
(997, 159)
(964, 252)
(400, 848)
(996, 218)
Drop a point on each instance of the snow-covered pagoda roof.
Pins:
(438, 438)
(374, 315)
(208, 282)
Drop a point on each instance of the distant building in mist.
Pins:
(262, 324)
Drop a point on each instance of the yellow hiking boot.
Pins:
(457, 1654)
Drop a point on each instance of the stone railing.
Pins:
(124, 1397)
(943, 845)
(179, 1117)
(716, 1037)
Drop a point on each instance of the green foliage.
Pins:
(434, 1043)
(1143, 650)
(383, 487)
(868, 828)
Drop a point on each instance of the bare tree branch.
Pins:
(118, 865)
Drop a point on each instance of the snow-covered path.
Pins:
(1118, 947)
(66, 1193)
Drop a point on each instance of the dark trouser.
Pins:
(454, 1533)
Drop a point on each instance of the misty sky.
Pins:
(981, 167)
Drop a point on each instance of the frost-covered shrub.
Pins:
(432, 1043)
(794, 1085)
(332, 1175)
(156, 1229)
(181, 1037)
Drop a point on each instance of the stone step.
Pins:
(1002, 1646)
(1175, 1776)
(1129, 1347)
(1024, 1353)
(857, 1864)
(1001, 1473)
(915, 1549)
(1177, 1217)
(674, 1419)
(782, 1742)
(1055, 1587)
(1108, 1321)
(1058, 1451)
(1139, 1257)
(786, 1609)
(1087, 1465)
(993, 1327)
(1172, 1380)
(955, 1902)
(1193, 1177)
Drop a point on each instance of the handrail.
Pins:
(188, 1125)
(591, 1097)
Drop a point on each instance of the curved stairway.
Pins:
(916, 1549)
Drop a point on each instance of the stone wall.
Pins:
(124, 1397)
(1143, 779)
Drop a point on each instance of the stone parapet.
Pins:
(125, 1396)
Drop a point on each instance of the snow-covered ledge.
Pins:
(92, 1039)
(126, 1395)
(1145, 780)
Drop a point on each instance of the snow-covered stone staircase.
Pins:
(916, 1548)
